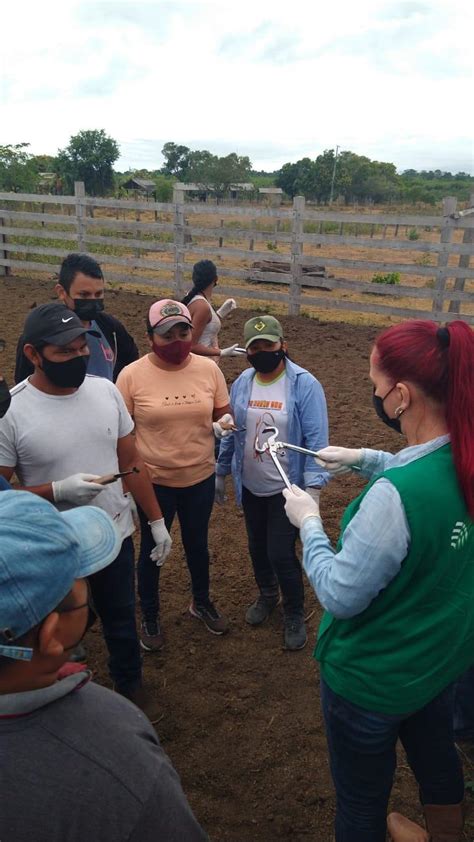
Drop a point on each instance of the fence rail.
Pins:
(178, 234)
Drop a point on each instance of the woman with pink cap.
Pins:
(179, 401)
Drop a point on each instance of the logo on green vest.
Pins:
(459, 535)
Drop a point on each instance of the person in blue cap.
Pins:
(78, 761)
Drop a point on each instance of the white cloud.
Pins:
(268, 79)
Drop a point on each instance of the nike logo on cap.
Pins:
(67, 320)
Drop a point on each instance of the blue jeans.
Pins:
(193, 505)
(272, 540)
(113, 592)
(362, 757)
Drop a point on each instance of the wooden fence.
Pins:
(155, 243)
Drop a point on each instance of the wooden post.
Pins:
(80, 192)
(464, 259)
(277, 229)
(4, 270)
(296, 253)
(179, 253)
(396, 231)
(220, 238)
(253, 223)
(341, 229)
(449, 207)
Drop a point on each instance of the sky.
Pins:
(273, 80)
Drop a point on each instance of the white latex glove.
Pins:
(133, 508)
(162, 539)
(220, 497)
(226, 308)
(222, 432)
(230, 351)
(339, 460)
(314, 493)
(299, 505)
(79, 489)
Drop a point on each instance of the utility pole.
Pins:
(333, 176)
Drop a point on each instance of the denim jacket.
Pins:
(307, 427)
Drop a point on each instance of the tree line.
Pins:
(91, 154)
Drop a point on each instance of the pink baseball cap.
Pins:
(165, 313)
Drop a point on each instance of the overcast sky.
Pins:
(273, 80)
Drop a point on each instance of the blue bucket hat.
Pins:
(42, 552)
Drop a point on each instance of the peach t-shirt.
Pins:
(173, 417)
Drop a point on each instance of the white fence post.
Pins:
(179, 242)
(80, 192)
(464, 261)
(296, 253)
(449, 207)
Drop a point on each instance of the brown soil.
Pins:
(241, 718)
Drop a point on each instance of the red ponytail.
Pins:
(441, 362)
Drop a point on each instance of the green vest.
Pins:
(417, 635)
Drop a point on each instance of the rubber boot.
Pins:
(402, 829)
(444, 822)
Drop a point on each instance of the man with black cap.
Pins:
(81, 288)
(78, 762)
(62, 432)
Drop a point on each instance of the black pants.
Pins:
(113, 592)
(272, 539)
(193, 505)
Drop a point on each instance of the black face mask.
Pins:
(67, 375)
(5, 398)
(378, 402)
(266, 361)
(88, 308)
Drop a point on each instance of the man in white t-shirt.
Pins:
(63, 431)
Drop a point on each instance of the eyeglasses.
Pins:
(91, 615)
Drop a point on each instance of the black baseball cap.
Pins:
(53, 324)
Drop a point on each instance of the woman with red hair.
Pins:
(398, 628)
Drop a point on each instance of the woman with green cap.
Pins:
(273, 392)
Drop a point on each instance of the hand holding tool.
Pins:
(108, 478)
(299, 505)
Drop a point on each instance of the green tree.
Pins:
(17, 172)
(299, 179)
(218, 173)
(176, 160)
(89, 157)
(44, 163)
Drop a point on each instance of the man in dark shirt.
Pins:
(78, 761)
(81, 288)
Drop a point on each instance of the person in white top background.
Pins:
(206, 320)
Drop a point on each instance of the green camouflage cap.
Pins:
(262, 327)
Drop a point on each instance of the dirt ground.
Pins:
(240, 716)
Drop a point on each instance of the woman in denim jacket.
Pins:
(273, 392)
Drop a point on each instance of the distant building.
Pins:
(273, 195)
(203, 192)
(140, 185)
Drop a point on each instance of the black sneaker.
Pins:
(261, 609)
(209, 615)
(151, 637)
(295, 633)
